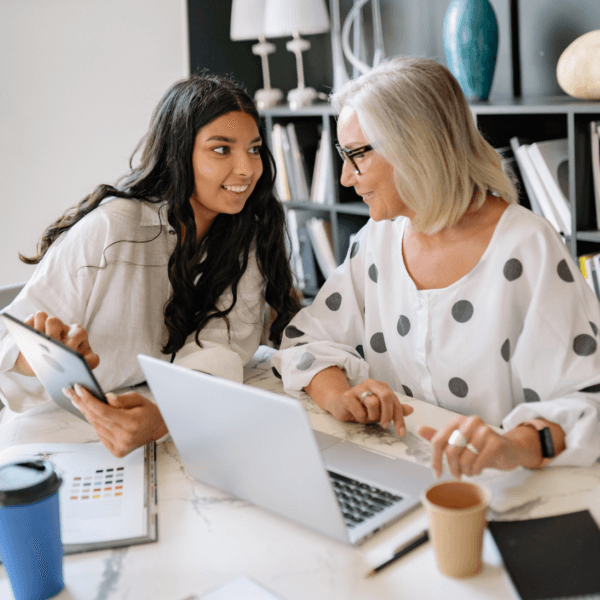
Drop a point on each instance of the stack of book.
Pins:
(595, 144)
(310, 238)
(544, 168)
(589, 265)
(292, 179)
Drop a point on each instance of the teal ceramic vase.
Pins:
(471, 45)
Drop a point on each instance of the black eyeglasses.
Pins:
(350, 154)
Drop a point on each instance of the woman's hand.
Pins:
(369, 402)
(485, 448)
(126, 423)
(74, 336)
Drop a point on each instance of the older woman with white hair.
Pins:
(452, 293)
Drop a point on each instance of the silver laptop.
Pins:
(259, 446)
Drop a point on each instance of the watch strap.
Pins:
(546, 442)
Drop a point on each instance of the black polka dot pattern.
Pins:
(293, 332)
(276, 372)
(462, 311)
(513, 269)
(594, 328)
(564, 272)
(360, 350)
(531, 395)
(373, 273)
(300, 344)
(458, 387)
(334, 301)
(378, 343)
(407, 391)
(584, 345)
(354, 249)
(505, 350)
(403, 325)
(306, 361)
(592, 389)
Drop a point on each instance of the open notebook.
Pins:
(105, 502)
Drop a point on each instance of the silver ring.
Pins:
(472, 448)
(365, 394)
(458, 439)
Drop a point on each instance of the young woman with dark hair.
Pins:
(178, 260)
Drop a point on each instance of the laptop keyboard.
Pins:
(360, 501)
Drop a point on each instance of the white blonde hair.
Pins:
(413, 112)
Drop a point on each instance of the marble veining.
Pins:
(201, 504)
(111, 574)
(417, 448)
(207, 538)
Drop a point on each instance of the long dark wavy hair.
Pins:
(200, 271)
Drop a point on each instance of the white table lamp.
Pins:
(247, 23)
(296, 17)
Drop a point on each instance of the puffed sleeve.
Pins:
(330, 331)
(224, 353)
(58, 286)
(556, 356)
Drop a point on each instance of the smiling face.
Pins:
(227, 165)
(375, 183)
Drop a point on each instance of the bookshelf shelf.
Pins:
(539, 118)
(545, 118)
(589, 236)
(348, 208)
(535, 105)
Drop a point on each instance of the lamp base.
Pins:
(299, 97)
(267, 98)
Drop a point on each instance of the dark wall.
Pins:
(546, 28)
(211, 47)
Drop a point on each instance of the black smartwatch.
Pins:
(546, 442)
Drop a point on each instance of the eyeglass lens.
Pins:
(346, 157)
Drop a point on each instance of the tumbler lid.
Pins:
(24, 482)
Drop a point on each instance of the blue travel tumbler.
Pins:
(30, 542)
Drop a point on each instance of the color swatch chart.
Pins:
(101, 483)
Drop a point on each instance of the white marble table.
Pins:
(207, 538)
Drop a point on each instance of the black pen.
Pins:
(409, 546)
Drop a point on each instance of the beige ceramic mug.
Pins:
(456, 511)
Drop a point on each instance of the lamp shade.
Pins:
(247, 20)
(286, 17)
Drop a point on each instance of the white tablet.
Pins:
(56, 365)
